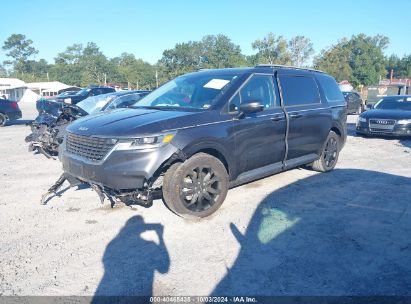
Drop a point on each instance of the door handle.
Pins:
(296, 116)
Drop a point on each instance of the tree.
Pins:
(20, 49)
(401, 67)
(359, 60)
(67, 68)
(272, 50)
(220, 52)
(136, 72)
(3, 71)
(367, 59)
(301, 49)
(335, 61)
(183, 58)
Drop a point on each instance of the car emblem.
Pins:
(382, 122)
(83, 129)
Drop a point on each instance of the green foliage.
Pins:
(335, 61)
(401, 66)
(211, 52)
(359, 60)
(272, 50)
(19, 49)
(301, 49)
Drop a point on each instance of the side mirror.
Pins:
(370, 106)
(251, 107)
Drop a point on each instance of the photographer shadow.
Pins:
(131, 261)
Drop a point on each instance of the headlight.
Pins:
(67, 100)
(145, 142)
(404, 121)
(362, 119)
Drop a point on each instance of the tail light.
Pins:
(13, 105)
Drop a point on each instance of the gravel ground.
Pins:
(296, 233)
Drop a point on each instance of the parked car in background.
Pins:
(85, 93)
(375, 93)
(9, 110)
(391, 116)
(48, 128)
(204, 132)
(355, 104)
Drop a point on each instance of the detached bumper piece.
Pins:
(135, 197)
(57, 185)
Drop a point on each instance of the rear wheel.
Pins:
(329, 155)
(3, 120)
(197, 187)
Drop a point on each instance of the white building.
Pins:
(18, 90)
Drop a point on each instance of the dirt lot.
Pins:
(296, 233)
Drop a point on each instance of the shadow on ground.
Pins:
(346, 232)
(406, 142)
(130, 261)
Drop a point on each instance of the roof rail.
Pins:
(286, 67)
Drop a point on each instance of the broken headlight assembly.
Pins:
(148, 142)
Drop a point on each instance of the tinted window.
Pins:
(331, 90)
(258, 88)
(299, 90)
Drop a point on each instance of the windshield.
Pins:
(393, 104)
(83, 92)
(95, 103)
(195, 91)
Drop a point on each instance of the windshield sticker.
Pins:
(217, 84)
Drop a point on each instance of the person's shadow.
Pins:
(346, 232)
(130, 261)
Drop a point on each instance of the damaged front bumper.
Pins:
(132, 177)
(120, 170)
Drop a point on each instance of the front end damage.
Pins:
(143, 196)
(49, 128)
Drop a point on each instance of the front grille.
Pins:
(92, 148)
(382, 125)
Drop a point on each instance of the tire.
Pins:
(329, 154)
(196, 188)
(3, 120)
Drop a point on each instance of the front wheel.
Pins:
(197, 187)
(329, 154)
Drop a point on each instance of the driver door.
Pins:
(259, 137)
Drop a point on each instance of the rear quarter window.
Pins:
(299, 90)
(330, 88)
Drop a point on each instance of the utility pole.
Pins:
(137, 85)
(48, 79)
(156, 79)
(105, 78)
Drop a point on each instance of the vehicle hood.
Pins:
(387, 114)
(132, 122)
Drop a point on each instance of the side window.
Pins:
(299, 90)
(258, 88)
(331, 90)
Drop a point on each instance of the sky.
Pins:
(147, 28)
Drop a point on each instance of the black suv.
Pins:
(85, 93)
(204, 132)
